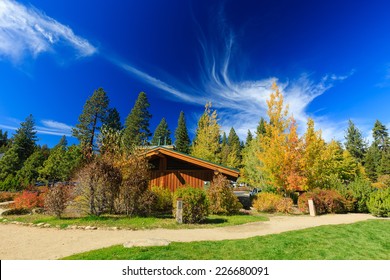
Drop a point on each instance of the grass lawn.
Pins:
(368, 240)
(136, 222)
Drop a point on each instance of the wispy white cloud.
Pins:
(240, 102)
(49, 127)
(24, 30)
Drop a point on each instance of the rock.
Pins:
(80, 227)
(146, 243)
(46, 225)
(40, 224)
(90, 228)
(72, 227)
(113, 228)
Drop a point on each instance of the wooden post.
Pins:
(179, 211)
(312, 208)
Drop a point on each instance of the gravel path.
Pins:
(31, 243)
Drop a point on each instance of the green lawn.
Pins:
(136, 222)
(363, 240)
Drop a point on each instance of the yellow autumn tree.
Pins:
(312, 163)
(280, 147)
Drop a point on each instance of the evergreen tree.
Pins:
(113, 119)
(225, 149)
(355, 144)
(162, 134)
(261, 127)
(182, 140)
(61, 163)
(94, 114)
(29, 173)
(251, 172)
(206, 144)
(25, 138)
(372, 161)
(234, 155)
(381, 136)
(249, 138)
(136, 131)
(377, 160)
(3, 141)
(10, 163)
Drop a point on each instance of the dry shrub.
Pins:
(135, 197)
(57, 199)
(99, 186)
(284, 205)
(220, 194)
(267, 202)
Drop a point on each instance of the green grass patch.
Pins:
(368, 240)
(136, 223)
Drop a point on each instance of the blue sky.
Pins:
(331, 59)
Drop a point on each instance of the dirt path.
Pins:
(23, 242)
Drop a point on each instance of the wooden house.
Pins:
(172, 169)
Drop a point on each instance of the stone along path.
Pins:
(32, 243)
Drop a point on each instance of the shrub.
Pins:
(57, 199)
(267, 202)
(195, 204)
(360, 190)
(325, 201)
(135, 197)
(163, 199)
(99, 183)
(284, 205)
(10, 183)
(16, 211)
(379, 203)
(29, 200)
(220, 194)
(7, 196)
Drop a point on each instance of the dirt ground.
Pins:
(31, 243)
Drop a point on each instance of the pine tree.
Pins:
(381, 136)
(377, 160)
(94, 114)
(251, 172)
(354, 142)
(261, 127)
(249, 138)
(3, 141)
(28, 174)
(206, 144)
(136, 131)
(162, 134)
(113, 119)
(225, 149)
(25, 138)
(234, 145)
(182, 140)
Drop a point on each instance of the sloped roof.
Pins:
(194, 160)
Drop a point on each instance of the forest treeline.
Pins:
(273, 157)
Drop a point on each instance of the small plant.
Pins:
(7, 196)
(195, 204)
(163, 202)
(325, 201)
(284, 205)
(267, 202)
(29, 200)
(379, 203)
(223, 201)
(57, 199)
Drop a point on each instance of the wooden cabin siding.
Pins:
(174, 179)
